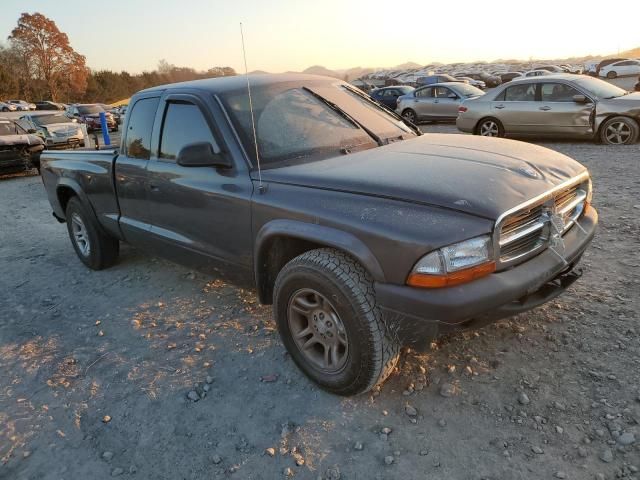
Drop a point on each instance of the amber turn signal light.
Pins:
(455, 278)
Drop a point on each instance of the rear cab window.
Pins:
(138, 140)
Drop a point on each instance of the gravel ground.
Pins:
(96, 369)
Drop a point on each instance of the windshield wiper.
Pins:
(382, 106)
(345, 115)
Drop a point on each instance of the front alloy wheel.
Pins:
(327, 315)
(317, 330)
(620, 131)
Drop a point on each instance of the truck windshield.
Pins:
(299, 123)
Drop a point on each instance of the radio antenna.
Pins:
(253, 121)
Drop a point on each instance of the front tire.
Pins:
(490, 127)
(94, 248)
(327, 316)
(612, 74)
(619, 131)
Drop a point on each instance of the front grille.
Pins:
(526, 232)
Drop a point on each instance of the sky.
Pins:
(283, 35)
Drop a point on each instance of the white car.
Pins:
(23, 106)
(621, 69)
(56, 129)
(7, 107)
(536, 73)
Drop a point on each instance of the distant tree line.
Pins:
(38, 63)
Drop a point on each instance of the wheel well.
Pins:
(276, 253)
(64, 195)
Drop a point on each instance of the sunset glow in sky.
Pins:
(285, 35)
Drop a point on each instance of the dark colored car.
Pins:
(491, 81)
(389, 95)
(89, 114)
(47, 105)
(19, 148)
(441, 78)
(114, 111)
(364, 234)
(508, 76)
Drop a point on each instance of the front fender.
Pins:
(318, 234)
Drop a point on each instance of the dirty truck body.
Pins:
(363, 233)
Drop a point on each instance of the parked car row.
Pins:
(565, 105)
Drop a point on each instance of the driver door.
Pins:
(200, 210)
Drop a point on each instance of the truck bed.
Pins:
(85, 172)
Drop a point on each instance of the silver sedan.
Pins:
(439, 101)
(558, 105)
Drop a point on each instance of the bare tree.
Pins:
(48, 55)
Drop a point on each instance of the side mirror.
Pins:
(31, 130)
(452, 96)
(201, 154)
(580, 99)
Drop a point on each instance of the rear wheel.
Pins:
(490, 127)
(96, 249)
(619, 131)
(326, 311)
(410, 115)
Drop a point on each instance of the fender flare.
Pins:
(66, 182)
(321, 234)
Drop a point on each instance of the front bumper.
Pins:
(416, 315)
(62, 142)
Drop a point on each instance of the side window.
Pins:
(183, 124)
(521, 93)
(138, 143)
(557, 92)
(500, 98)
(391, 93)
(442, 92)
(424, 92)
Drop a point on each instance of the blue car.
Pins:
(389, 95)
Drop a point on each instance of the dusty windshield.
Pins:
(298, 123)
(8, 128)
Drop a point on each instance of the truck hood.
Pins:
(476, 175)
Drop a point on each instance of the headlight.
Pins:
(454, 264)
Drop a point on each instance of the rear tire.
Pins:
(95, 249)
(489, 127)
(326, 312)
(410, 115)
(619, 131)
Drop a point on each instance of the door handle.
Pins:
(545, 108)
(436, 101)
(499, 107)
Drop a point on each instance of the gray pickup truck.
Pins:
(363, 233)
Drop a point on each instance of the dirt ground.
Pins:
(95, 368)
